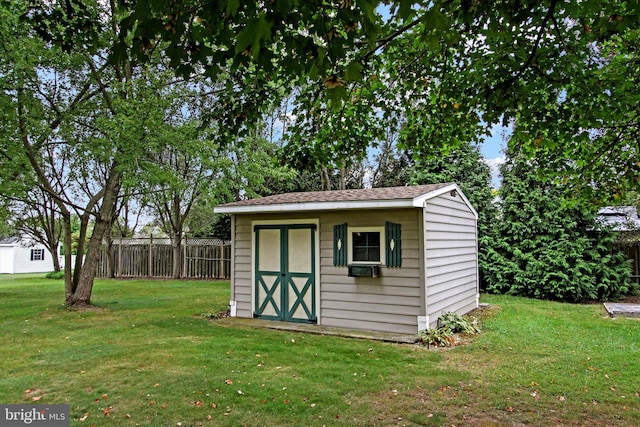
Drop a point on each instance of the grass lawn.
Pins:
(147, 357)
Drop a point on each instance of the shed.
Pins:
(382, 259)
(22, 255)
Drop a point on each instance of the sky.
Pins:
(492, 150)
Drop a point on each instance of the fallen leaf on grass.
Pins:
(228, 382)
(198, 403)
(36, 398)
(84, 417)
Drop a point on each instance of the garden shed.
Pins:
(23, 255)
(382, 259)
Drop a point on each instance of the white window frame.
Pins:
(379, 229)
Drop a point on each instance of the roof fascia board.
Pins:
(316, 206)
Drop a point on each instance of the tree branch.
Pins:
(545, 21)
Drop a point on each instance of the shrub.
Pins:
(547, 243)
(458, 324)
(449, 324)
(55, 275)
(437, 337)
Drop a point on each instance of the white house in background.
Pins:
(24, 256)
(382, 259)
(625, 222)
(620, 218)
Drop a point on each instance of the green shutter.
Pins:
(393, 244)
(340, 245)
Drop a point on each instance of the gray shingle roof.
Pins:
(406, 193)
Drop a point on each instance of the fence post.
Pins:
(184, 256)
(118, 271)
(150, 260)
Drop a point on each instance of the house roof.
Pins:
(369, 198)
(620, 218)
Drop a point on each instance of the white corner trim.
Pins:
(423, 323)
(232, 308)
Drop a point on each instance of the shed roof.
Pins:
(9, 241)
(369, 198)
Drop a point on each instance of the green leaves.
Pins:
(232, 7)
(249, 40)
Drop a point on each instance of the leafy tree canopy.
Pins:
(566, 72)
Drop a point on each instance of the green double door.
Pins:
(285, 283)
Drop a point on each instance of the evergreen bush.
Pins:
(548, 246)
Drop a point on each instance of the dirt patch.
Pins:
(82, 308)
(485, 311)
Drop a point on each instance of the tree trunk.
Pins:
(176, 244)
(56, 259)
(111, 271)
(69, 287)
(81, 297)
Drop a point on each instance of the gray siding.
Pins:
(451, 257)
(389, 303)
(242, 266)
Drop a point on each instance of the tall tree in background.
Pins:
(76, 120)
(333, 142)
(548, 245)
(393, 161)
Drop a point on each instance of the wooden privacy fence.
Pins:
(153, 257)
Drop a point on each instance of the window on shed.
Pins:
(366, 246)
(37, 254)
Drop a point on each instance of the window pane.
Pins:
(374, 239)
(360, 254)
(359, 239)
